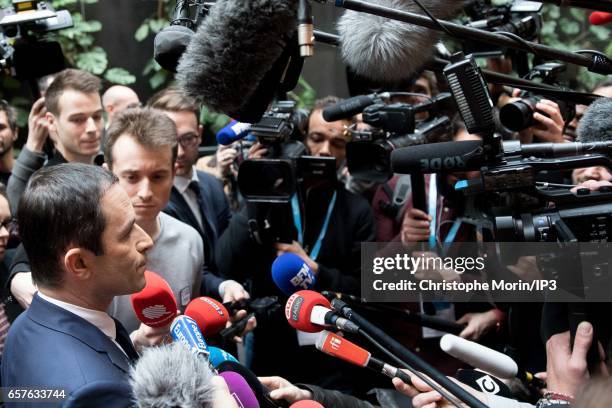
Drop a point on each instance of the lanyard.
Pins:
(433, 209)
(297, 220)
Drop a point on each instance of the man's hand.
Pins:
(23, 289)
(415, 226)
(296, 248)
(566, 368)
(478, 324)
(592, 185)
(283, 389)
(225, 156)
(232, 291)
(147, 336)
(37, 127)
(549, 127)
(257, 151)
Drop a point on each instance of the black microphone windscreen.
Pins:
(171, 376)
(257, 387)
(169, 44)
(436, 157)
(233, 49)
(596, 123)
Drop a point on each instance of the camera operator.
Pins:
(549, 122)
(340, 228)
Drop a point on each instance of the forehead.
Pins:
(4, 208)
(116, 206)
(71, 102)
(316, 124)
(184, 120)
(128, 154)
(3, 118)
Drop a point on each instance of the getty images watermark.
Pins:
(502, 272)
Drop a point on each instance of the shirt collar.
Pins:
(182, 183)
(101, 320)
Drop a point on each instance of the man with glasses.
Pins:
(8, 135)
(197, 198)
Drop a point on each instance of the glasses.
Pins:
(189, 140)
(10, 224)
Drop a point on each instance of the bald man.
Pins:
(117, 98)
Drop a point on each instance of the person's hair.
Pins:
(323, 103)
(173, 99)
(11, 114)
(60, 207)
(151, 128)
(73, 79)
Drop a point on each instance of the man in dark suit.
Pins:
(197, 198)
(92, 250)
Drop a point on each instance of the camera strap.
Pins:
(297, 220)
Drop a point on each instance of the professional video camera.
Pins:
(519, 18)
(518, 115)
(20, 49)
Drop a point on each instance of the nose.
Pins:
(325, 150)
(144, 242)
(91, 125)
(181, 151)
(144, 190)
(592, 173)
(4, 232)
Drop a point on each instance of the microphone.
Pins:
(185, 330)
(484, 382)
(596, 123)
(309, 312)
(305, 28)
(232, 132)
(261, 393)
(436, 157)
(600, 18)
(170, 376)
(238, 56)
(155, 305)
(210, 315)
(306, 404)
(217, 356)
(240, 390)
(350, 107)
(339, 347)
(290, 273)
(388, 50)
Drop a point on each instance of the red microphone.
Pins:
(310, 312)
(210, 315)
(155, 305)
(306, 404)
(600, 17)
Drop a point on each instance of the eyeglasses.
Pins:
(10, 224)
(188, 140)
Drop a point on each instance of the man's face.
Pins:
(596, 173)
(189, 137)
(5, 215)
(7, 136)
(120, 269)
(77, 128)
(327, 139)
(146, 174)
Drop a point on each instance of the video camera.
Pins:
(20, 51)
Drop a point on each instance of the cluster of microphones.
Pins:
(169, 376)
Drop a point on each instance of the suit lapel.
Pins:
(57, 319)
(183, 211)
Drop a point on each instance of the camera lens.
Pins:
(517, 115)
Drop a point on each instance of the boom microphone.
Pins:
(170, 43)
(238, 55)
(388, 50)
(290, 273)
(309, 312)
(210, 315)
(596, 123)
(155, 305)
(435, 157)
(170, 376)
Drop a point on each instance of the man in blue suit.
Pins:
(197, 198)
(78, 228)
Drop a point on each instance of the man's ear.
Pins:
(51, 124)
(77, 262)
(200, 132)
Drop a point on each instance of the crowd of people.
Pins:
(105, 188)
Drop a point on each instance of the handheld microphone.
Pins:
(290, 273)
(309, 312)
(261, 393)
(306, 404)
(217, 356)
(240, 390)
(484, 382)
(367, 40)
(339, 347)
(210, 315)
(170, 376)
(185, 330)
(600, 18)
(350, 107)
(155, 305)
(232, 132)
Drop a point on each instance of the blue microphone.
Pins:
(290, 273)
(232, 132)
(217, 356)
(185, 330)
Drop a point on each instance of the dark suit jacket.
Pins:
(216, 213)
(49, 347)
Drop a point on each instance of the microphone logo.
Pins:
(212, 304)
(292, 309)
(447, 163)
(237, 398)
(155, 312)
(335, 343)
(487, 385)
(303, 279)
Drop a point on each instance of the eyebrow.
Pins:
(125, 230)
(77, 114)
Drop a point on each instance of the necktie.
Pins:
(123, 339)
(209, 235)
